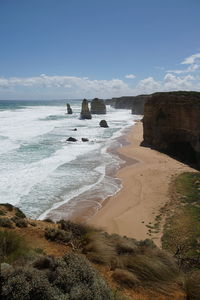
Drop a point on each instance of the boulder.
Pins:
(84, 140)
(103, 123)
(85, 112)
(98, 107)
(172, 124)
(75, 129)
(71, 139)
(69, 110)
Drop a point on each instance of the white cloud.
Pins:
(130, 76)
(172, 82)
(74, 86)
(148, 85)
(49, 87)
(194, 64)
(189, 69)
(191, 59)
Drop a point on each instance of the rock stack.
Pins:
(85, 112)
(69, 110)
(98, 107)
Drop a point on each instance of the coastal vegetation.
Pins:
(182, 229)
(88, 264)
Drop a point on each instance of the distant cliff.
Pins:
(135, 103)
(172, 124)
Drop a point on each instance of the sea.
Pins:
(40, 170)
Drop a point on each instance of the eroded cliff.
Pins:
(172, 124)
(135, 103)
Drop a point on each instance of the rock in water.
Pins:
(69, 110)
(71, 139)
(85, 112)
(98, 107)
(84, 140)
(103, 123)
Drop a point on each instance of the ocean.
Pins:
(40, 170)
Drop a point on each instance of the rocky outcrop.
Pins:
(85, 112)
(71, 139)
(103, 124)
(135, 103)
(98, 107)
(172, 124)
(69, 110)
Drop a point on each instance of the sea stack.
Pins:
(98, 107)
(85, 112)
(69, 110)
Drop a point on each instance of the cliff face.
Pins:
(138, 104)
(135, 103)
(172, 124)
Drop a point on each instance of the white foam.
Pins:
(26, 179)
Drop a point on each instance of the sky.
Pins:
(74, 49)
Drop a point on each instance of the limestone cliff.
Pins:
(98, 106)
(135, 103)
(172, 124)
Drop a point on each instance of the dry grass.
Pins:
(193, 285)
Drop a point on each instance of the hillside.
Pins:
(119, 267)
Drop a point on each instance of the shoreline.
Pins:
(144, 193)
(84, 206)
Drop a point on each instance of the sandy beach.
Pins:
(145, 189)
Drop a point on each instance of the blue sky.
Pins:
(97, 48)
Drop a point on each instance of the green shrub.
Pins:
(71, 278)
(2, 212)
(58, 235)
(6, 222)
(77, 229)
(44, 262)
(19, 213)
(9, 206)
(33, 224)
(11, 246)
(27, 283)
(48, 220)
(21, 223)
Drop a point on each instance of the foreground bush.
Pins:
(11, 246)
(71, 277)
(77, 230)
(57, 235)
(6, 222)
